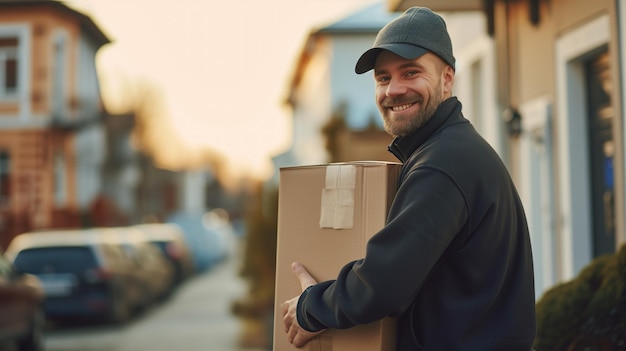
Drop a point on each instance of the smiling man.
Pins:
(453, 263)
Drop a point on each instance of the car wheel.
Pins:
(34, 339)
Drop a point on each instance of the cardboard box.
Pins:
(326, 215)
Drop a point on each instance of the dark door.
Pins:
(601, 151)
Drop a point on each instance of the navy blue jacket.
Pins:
(453, 263)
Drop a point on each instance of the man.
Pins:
(454, 261)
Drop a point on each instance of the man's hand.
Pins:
(295, 334)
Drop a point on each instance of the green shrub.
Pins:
(587, 313)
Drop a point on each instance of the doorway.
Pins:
(601, 151)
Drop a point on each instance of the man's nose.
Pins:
(395, 88)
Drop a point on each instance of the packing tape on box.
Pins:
(337, 210)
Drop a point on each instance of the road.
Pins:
(196, 318)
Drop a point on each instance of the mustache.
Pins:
(395, 101)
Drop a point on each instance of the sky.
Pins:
(222, 67)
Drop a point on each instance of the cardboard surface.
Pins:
(326, 214)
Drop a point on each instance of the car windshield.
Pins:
(55, 260)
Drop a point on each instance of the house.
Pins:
(65, 161)
(51, 135)
(560, 84)
(328, 99)
(335, 117)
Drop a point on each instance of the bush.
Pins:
(587, 313)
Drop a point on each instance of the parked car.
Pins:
(22, 319)
(82, 275)
(170, 239)
(206, 235)
(159, 272)
(152, 271)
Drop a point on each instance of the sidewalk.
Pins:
(199, 316)
(220, 287)
(224, 284)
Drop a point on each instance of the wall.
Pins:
(541, 73)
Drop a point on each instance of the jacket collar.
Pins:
(403, 147)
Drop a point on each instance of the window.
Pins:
(62, 259)
(58, 76)
(5, 172)
(9, 62)
(60, 180)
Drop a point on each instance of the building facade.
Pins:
(560, 84)
(50, 115)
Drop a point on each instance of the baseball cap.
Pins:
(415, 32)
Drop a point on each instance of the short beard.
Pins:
(400, 129)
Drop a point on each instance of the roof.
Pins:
(367, 20)
(51, 238)
(160, 231)
(437, 5)
(86, 23)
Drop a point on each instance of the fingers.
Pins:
(303, 275)
(291, 334)
(299, 340)
(295, 334)
(299, 337)
(289, 313)
(302, 337)
(286, 322)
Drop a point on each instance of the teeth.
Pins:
(401, 107)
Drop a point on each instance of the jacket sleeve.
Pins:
(428, 212)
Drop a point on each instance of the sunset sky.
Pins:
(222, 66)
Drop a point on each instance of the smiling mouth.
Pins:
(401, 107)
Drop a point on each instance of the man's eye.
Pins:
(412, 73)
(382, 79)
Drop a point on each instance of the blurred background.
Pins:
(138, 134)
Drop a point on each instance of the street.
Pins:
(196, 317)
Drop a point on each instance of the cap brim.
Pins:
(367, 61)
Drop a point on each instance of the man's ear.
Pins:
(447, 79)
